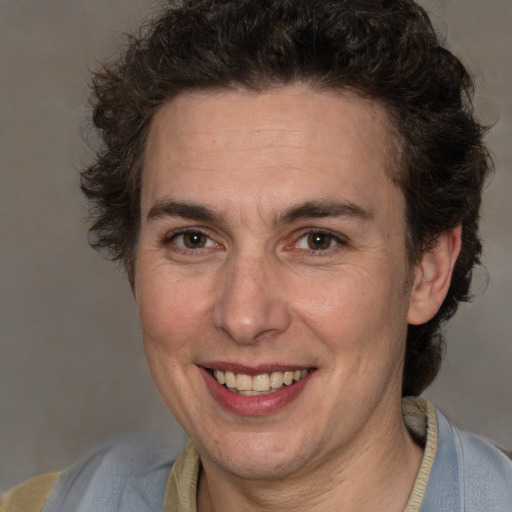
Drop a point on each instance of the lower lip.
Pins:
(260, 405)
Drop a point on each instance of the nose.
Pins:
(251, 305)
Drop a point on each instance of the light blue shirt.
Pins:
(468, 475)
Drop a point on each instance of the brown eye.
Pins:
(192, 240)
(319, 241)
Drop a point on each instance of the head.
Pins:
(384, 51)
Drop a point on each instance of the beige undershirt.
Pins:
(30, 496)
(180, 496)
(419, 416)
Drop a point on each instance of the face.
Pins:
(272, 276)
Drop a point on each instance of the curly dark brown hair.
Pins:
(385, 50)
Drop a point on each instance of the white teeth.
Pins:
(262, 383)
(276, 380)
(230, 380)
(243, 382)
(220, 377)
(288, 378)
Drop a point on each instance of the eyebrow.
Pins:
(308, 210)
(189, 211)
(324, 209)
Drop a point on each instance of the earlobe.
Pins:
(432, 277)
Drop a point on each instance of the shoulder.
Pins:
(29, 496)
(128, 476)
(486, 472)
(468, 473)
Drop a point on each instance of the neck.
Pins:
(376, 472)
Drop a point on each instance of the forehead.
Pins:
(274, 144)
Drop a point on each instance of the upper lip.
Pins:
(253, 369)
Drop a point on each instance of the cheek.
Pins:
(360, 315)
(352, 299)
(171, 309)
(172, 320)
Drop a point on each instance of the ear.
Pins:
(432, 277)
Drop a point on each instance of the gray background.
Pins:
(72, 369)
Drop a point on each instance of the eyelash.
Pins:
(172, 237)
(335, 240)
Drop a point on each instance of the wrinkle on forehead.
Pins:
(286, 125)
(256, 141)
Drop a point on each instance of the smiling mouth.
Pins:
(257, 385)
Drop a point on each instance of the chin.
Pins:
(255, 456)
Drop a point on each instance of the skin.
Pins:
(256, 292)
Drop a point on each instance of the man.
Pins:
(294, 189)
